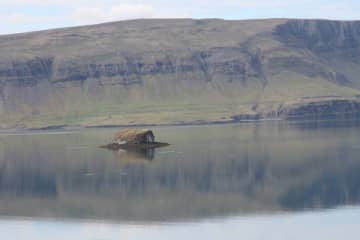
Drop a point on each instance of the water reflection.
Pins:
(133, 154)
(329, 225)
(330, 189)
(206, 172)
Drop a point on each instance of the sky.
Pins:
(31, 15)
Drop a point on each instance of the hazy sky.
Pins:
(30, 15)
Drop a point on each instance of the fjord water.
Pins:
(225, 176)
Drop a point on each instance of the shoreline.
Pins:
(196, 123)
(109, 126)
(313, 111)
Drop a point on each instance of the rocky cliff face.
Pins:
(98, 74)
(330, 109)
(321, 35)
(333, 44)
(232, 63)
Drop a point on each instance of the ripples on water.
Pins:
(207, 172)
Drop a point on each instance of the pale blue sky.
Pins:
(30, 15)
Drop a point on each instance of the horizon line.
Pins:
(180, 19)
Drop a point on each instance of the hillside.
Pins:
(180, 71)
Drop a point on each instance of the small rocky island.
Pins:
(134, 138)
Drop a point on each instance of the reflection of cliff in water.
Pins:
(330, 189)
(133, 154)
(27, 182)
(212, 175)
(164, 192)
(118, 190)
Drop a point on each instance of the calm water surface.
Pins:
(211, 181)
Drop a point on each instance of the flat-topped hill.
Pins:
(178, 71)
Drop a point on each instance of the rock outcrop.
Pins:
(328, 109)
(322, 35)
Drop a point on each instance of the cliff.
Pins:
(178, 71)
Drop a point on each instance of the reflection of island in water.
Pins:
(135, 154)
(296, 170)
